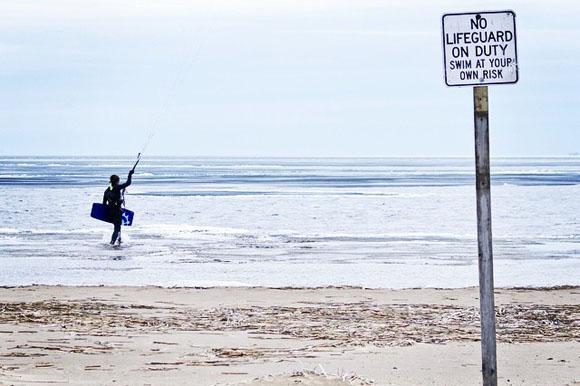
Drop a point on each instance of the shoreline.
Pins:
(298, 288)
(232, 335)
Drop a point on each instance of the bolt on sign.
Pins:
(480, 48)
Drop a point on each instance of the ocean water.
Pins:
(372, 222)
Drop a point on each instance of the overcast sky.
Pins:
(273, 78)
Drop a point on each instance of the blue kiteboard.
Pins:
(100, 212)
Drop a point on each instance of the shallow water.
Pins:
(395, 222)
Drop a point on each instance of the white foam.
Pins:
(9, 230)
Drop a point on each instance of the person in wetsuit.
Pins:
(113, 198)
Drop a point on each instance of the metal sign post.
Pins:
(480, 49)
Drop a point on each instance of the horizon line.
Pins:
(285, 156)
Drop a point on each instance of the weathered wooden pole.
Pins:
(484, 241)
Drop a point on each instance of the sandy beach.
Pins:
(262, 336)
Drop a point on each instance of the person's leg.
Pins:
(112, 212)
(116, 231)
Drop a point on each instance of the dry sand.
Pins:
(247, 336)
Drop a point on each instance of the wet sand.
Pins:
(261, 336)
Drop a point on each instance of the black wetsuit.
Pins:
(113, 198)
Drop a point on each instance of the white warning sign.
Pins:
(480, 48)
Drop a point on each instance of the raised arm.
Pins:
(128, 182)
